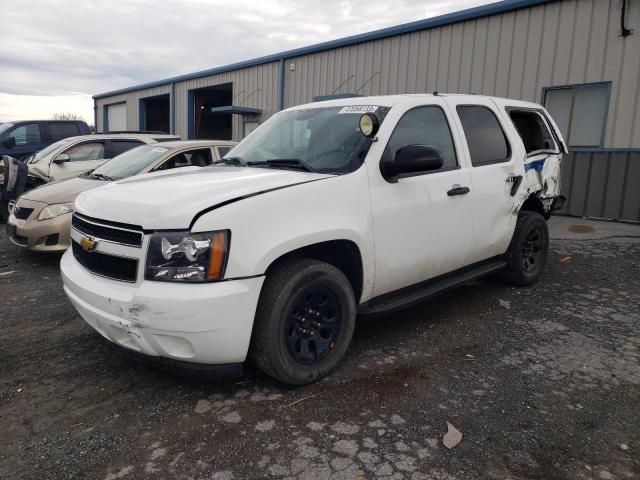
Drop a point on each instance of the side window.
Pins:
(535, 135)
(222, 151)
(485, 138)
(27, 134)
(190, 158)
(121, 146)
(425, 126)
(63, 130)
(86, 151)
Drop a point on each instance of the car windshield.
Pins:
(130, 162)
(4, 127)
(41, 154)
(326, 140)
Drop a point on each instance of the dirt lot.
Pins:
(543, 383)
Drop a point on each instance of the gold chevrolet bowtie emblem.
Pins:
(88, 244)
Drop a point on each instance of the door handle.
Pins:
(458, 191)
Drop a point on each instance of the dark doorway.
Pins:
(155, 113)
(207, 124)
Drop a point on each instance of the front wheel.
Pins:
(305, 320)
(527, 253)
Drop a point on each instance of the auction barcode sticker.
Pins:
(359, 109)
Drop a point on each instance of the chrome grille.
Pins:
(108, 230)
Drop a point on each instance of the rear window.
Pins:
(485, 137)
(533, 131)
(63, 130)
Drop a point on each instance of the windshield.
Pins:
(36, 157)
(4, 127)
(324, 140)
(130, 162)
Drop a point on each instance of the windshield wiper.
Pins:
(101, 176)
(282, 163)
(232, 161)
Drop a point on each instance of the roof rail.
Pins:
(151, 132)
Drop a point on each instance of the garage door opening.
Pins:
(155, 113)
(205, 124)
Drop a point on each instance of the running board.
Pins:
(415, 294)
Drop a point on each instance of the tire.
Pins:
(527, 253)
(305, 320)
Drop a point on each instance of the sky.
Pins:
(56, 54)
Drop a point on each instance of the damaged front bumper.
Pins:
(205, 324)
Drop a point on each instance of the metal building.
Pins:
(581, 58)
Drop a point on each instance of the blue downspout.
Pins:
(281, 84)
(141, 114)
(190, 114)
(105, 118)
(95, 117)
(173, 109)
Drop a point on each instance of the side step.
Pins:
(415, 294)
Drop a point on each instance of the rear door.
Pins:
(496, 163)
(60, 130)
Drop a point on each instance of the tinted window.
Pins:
(190, 158)
(63, 130)
(533, 131)
(121, 146)
(222, 151)
(424, 126)
(86, 151)
(485, 138)
(26, 134)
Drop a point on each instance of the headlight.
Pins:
(187, 257)
(52, 211)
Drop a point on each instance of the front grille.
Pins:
(105, 232)
(22, 213)
(117, 268)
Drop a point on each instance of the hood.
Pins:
(165, 200)
(63, 191)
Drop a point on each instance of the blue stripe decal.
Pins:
(535, 165)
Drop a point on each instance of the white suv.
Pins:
(326, 211)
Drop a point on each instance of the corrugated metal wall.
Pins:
(133, 105)
(602, 185)
(512, 54)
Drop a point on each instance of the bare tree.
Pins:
(66, 116)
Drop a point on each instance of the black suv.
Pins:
(20, 139)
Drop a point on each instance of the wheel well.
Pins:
(342, 254)
(533, 204)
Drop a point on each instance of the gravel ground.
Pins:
(543, 383)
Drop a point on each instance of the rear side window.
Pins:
(191, 158)
(485, 137)
(222, 151)
(63, 130)
(425, 126)
(533, 131)
(121, 146)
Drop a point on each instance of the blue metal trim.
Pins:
(605, 118)
(141, 114)
(105, 118)
(190, 113)
(281, 84)
(172, 126)
(236, 110)
(603, 149)
(447, 19)
(95, 117)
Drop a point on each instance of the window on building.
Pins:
(63, 130)
(485, 137)
(533, 130)
(580, 111)
(425, 126)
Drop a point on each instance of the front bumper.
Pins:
(197, 323)
(52, 235)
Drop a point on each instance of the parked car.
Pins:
(20, 139)
(76, 155)
(362, 205)
(41, 218)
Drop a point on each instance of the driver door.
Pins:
(83, 157)
(422, 223)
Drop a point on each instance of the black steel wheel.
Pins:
(528, 250)
(304, 322)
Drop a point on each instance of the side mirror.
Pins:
(412, 159)
(9, 142)
(62, 158)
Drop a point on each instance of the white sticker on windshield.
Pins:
(359, 109)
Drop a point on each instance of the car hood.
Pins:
(63, 191)
(170, 200)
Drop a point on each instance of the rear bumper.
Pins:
(196, 323)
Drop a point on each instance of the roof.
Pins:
(196, 143)
(447, 19)
(122, 136)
